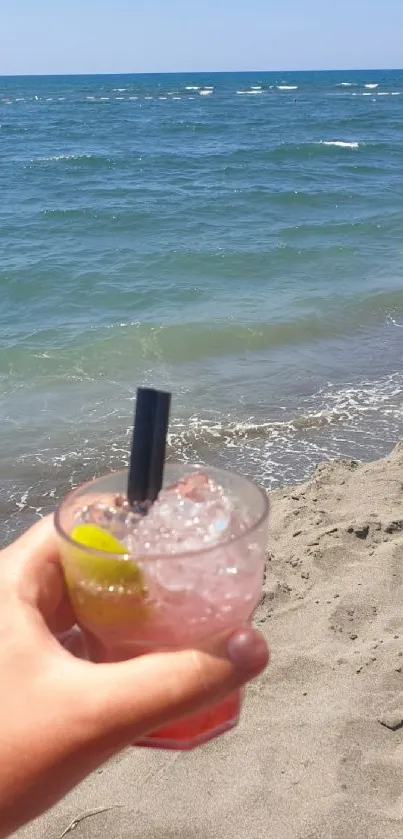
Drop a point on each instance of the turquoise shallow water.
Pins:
(236, 238)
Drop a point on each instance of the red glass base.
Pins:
(184, 734)
(198, 728)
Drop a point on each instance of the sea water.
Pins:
(234, 238)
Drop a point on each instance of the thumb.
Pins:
(133, 697)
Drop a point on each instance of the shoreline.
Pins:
(319, 750)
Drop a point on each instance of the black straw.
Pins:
(157, 459)
(148, 445)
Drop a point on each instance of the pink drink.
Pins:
(193, 568)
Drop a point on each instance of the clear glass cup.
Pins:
(188, 596)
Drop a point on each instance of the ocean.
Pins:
(235, 238)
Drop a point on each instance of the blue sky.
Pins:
(107, 36)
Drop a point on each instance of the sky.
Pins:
(119, 36)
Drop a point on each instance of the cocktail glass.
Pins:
(130, 605)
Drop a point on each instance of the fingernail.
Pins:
(247, 649)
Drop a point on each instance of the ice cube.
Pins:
(191, 515)
(115, 517)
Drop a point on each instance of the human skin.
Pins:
(62, 716)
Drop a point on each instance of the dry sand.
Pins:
(319, 752)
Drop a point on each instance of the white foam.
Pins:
(256, 87)
(367, 94)
(340, 144)
(120, 98)
(371, 86)
(64, 157)
(395, 323)
(49, 99)
(163, 97)
(206, 92)
(396, 93)
(20, 99)
(22, 502)
(287, 87)
(119, 89)
(176, 98)
(346, 84)
(133, 97)
(104, 98)
(383, 93)
(90, 97)
(192, 87)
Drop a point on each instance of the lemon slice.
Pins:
(105, 570)
(93, 536)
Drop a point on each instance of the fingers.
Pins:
(130, 698)
(39, 541)
(32, 565)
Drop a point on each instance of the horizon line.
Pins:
(201, 72)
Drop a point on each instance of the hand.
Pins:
(61, 716)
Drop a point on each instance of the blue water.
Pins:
(236, 238)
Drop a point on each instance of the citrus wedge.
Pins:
(105, 570)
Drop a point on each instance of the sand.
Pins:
(319, 751)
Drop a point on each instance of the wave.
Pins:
(346, 84)
(342, 420)
(12, 129)
(371, 86)
(305, 150)
(63, 157)
(115, 346)
(273, 446)
(200, 430)
(334, 405)
(91, 160)
(340, 144)
(287, 87)
(192, 87)
(205, 92)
